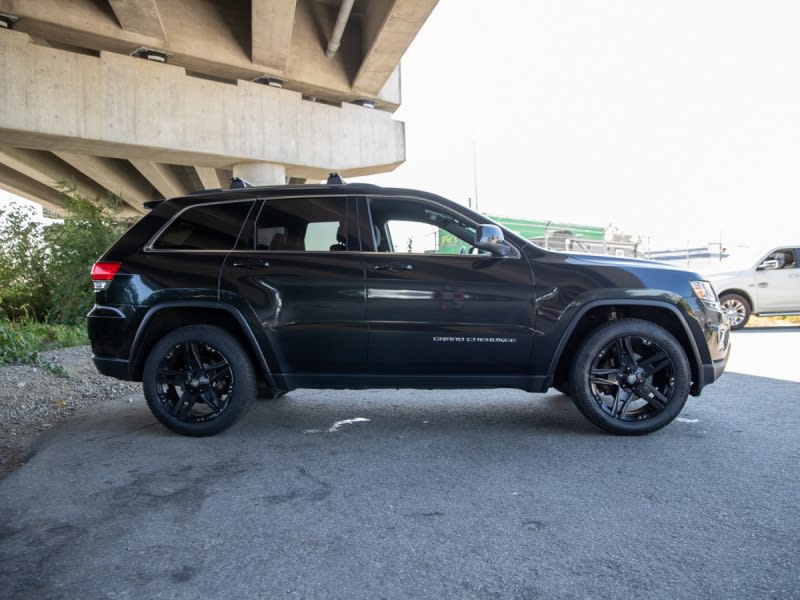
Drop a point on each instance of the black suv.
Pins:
(215, 298)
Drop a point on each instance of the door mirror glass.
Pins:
(490, 238)
(769, 265)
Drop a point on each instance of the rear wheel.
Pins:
(737, 307)
(563, 387)
(631, 377)
(198, 380)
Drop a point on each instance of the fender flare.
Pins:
(263, 364)
(593, 304)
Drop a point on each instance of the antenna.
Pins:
(475, 172)
(238, 183)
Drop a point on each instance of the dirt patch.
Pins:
(33, 398)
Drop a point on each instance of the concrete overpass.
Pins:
(155, 98)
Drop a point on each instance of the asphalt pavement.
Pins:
(419, 494)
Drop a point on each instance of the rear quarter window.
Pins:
(204, 227)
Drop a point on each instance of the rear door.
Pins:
(436, 305)
(298, 273)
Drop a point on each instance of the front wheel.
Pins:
(198, 380)
(631, 377)
(737, 307)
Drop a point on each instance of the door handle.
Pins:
(251, 263)
(393, 267)
(763, 284)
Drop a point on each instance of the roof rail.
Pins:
(335, 179)
(238, 183)
(151, 204)
(204, 191)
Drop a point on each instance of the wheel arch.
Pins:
(739, 292)
(168, 316)
(593, 314)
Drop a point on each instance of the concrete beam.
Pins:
(224, 40)
(161, 177)
(123, 107)
(139, 16)
(113, 175)
(18, 184)
(209, 178)
(271, 31)
(389, 28)
(49, 170)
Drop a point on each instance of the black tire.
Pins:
(266, 392)
(198, 380)
(630, 377)
(563, 387)
(738, 307)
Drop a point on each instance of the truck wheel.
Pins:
(198, 380)
(631, 377)
(737, 307)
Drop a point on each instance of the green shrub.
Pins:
(22, 340)
(16, 346)
(23, 256)
(45, 271)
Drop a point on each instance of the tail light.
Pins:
(103, 273)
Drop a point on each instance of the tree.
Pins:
(22, 260)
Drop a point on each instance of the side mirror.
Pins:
(769, 265)
(490, 238)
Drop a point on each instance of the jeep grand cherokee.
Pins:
(216, 297)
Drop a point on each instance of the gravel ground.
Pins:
(35, 397)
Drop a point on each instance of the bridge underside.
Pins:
(156, 98)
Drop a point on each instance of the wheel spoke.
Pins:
(217, 370)
(629, 353)
(183, 405)
(212, 398)
(600, 376)
(193, 353)
(604, 382)
(625, 353)
(171, 377)
(652, 396)
(615, 406)
(620, 408)
(655, 363)
(619, 348)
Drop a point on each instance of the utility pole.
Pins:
(475, 172)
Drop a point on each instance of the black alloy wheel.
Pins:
(198, 380)
(631, 377)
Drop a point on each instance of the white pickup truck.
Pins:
(764, 282)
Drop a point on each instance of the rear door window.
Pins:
(304, 225)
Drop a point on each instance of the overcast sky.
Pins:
(678, 121)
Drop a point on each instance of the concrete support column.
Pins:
(261, 173)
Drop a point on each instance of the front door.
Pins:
(778, 290)
(438, 306)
